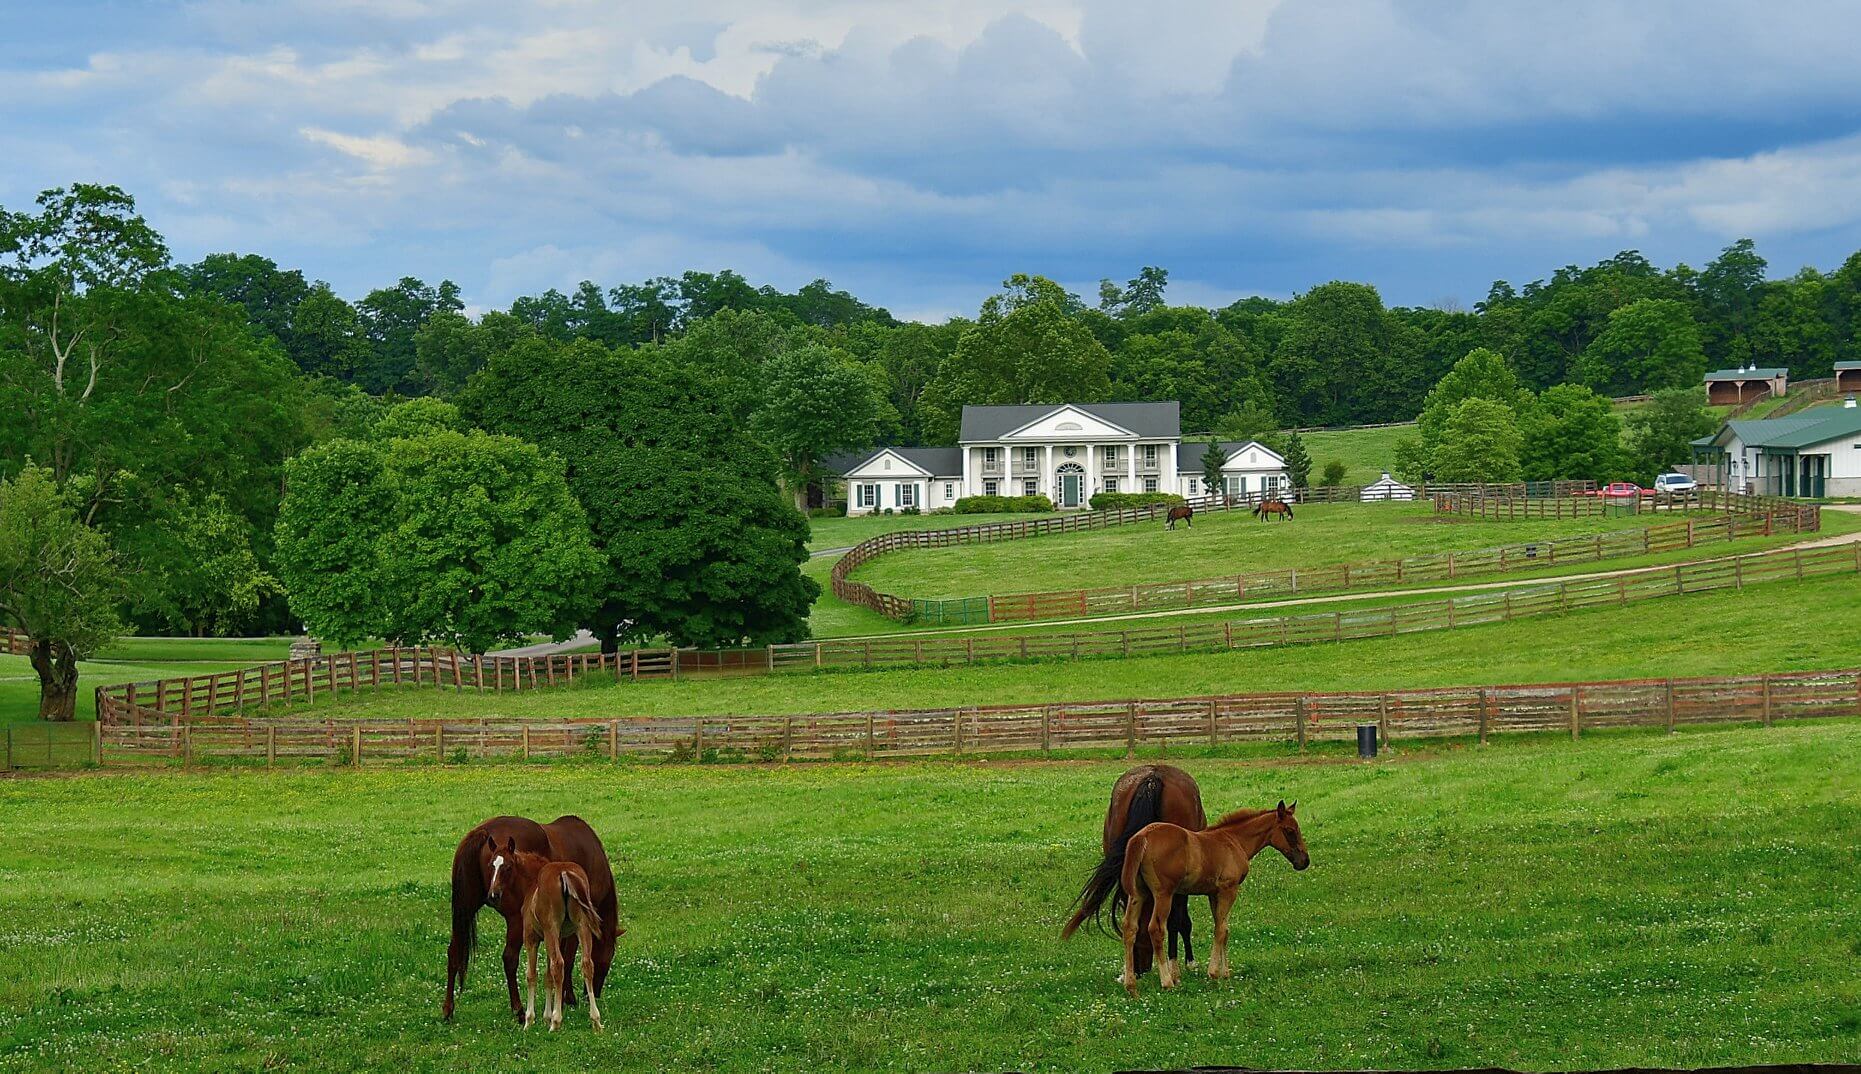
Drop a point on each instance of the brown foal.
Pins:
(1165, 860)
(553, 894)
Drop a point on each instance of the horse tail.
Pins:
(1106, 881)
(467, 895)
(575, 891)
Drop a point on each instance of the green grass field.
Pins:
(1221, 543)
(1633, 899)
(842, 532)
(1781, 626)
(1365, 453)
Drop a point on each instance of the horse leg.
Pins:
(528, 1015)
(1179, 925)
(1133, 917)
(568, 973)
(513, 940)
(1144, 953)
(589, 974)
(1220, 903)
(558, 979)
(1168, 972)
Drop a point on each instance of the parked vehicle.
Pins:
(1621, 490)
(1676, 485)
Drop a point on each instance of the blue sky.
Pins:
(916, 153)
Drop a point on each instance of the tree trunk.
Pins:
(57, 666)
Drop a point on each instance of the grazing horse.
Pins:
(1144, 795)
(1166, 860)
(551, 893)
(1181, 511)
(563, 839)
(1273, 507)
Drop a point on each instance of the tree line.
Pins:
(252, 451)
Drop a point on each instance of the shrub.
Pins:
(989, 505)
(1107, 501)
(1334, 474)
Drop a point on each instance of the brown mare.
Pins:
(1167, 860)
(1181, 511)
(563, 839)
(1142, 796)
(1273, 507)
(552, 894)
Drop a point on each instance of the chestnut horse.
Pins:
(1181, 511)
(1145, 794)
(552, 894)
(1273, 507)
(1168, 861)
(563, 839)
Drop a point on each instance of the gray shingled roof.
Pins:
(1189, 455)
(940, 461)
(1161, 420)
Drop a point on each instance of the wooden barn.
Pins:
(1734, 387)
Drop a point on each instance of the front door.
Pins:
(1072, 489)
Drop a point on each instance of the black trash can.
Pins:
(1366, 740)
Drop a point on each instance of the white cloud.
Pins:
(377, 151)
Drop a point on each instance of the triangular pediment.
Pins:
(1067, 422)
(1254, 455)
(887, 463)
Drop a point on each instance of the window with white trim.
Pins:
(989, 456)
(1150, 456)
(866, 495)
(907, 494)
(1150, 484)
(991, 488)
(1030, 487)
(1111, 456)
(1030, 457)
(949, 490)
(1111, 484)
(1195, 486)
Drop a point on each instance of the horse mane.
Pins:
(1238, 816)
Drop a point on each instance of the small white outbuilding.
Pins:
(1386, 488)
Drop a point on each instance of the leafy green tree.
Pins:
(1027, 346)
(450, 347)
(1479, 442)
(815, 402)
(1571, 432)
(1139, 296)
(466, 539)
(268, 294)
(1342, 358)
(1334, 474)
(701, 545)
(389, 318)
(1213, 458)
(1661, 433)
(1647, 345)
(200, 571)
(1298, 461)
(59, 584)
(326, 336)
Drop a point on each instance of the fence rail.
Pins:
(1295, 719)
(1343, 577)
(14, 642)
(328, 676)
(1787, 515)
(904, 609)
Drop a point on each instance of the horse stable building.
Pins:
(1066, 452)
(1814, 452)
(1733, 387)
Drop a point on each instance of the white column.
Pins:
(1092, 473)
(1045, 476)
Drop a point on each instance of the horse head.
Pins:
(500, 866)
(1286, 838)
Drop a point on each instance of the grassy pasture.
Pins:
(843, 531)
(1780, 626)
(1533, 903)
(1221, 543)
(1365, 453)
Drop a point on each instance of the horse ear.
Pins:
(490, 843)
(510, 844)
(1282, 809)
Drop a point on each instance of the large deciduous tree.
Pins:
(1569, 431)
(1661, 434)
(701, 545)
(59, 584)
(1648, 345)
(444, 536)
(1479, 442)
(1027, 346)
(815, 402)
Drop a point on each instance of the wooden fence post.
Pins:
(1670, 706)
(96, 742)
(958, 724)
(871, 738)
(1130, 730)
(1382, 716)
(526, 741)
(356, 754)
(271, 746)
(1576, 711)
(1212, 739)
(1485, 715)
(1764, 682)
(1299, 707)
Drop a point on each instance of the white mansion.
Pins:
(1066, 452)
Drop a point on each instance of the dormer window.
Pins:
(888, 462)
